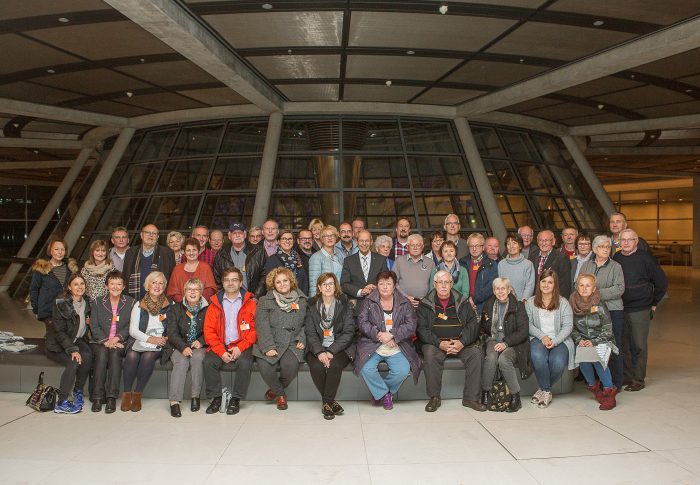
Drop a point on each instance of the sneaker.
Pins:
(337, 408)
(78, 397)
(225, 399)
(66, 407)
(537, 397)
(546, 400)
(327, 411)
(388, 401)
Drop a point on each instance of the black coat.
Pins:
(61, 334)
(45, 287)
(343, 328)
(179, 326)
(557, 262)
(163, 258)
(465, 314)
(516, 330)
(300, 273)
(254, 262)
(101, 318)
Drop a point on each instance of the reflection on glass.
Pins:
(184, 175)
(173, 212)
(433, 208)
(296, 210)
(155, 145)
(198, 140)
(244, 138)
(122, 212)
(139, 179)
(380, 136)
(438, 172)
(501, 176)
(373, 172)
(235, 174)
(487, 142)
(429, 137)
(519, 145)
(537, 178)
(379, 210)
(220, 211)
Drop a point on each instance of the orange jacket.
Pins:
(215, 325)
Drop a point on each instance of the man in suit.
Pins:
(360, 270)
(545, 257)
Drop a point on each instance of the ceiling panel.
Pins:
(176, 73)
(694, 80)
(447, 96)
(590, 120)
(103, 40)
(424, 31)
(494, 73)
(600, 86)
(310, 92)
(297, 66)
(34, 93)
(270, 29)
(111, 108)
(398, 67)
(510, 3)
(643, 97)
(562, 111)
(530, 104)
(20, 54)
(679, 65)
(93, 81)
(386, 94)
(555, 41)
(679, 109)
(652, 11)
(12, 9)
(53, 127)
(161, 101)
(216, 96)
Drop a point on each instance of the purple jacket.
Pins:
(370, 321)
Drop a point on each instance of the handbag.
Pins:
(499, 395)
(44, 397)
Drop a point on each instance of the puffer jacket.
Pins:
(45, 287)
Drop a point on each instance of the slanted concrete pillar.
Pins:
(588, 174)
(696, 222)
(46, 216)
(483, 186)
(98, 187)
(267, 170)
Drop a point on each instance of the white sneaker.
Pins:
(537, 397)
(546, 400)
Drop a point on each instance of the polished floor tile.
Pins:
(489, 472)
(291, 475)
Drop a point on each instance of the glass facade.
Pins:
(338, 168)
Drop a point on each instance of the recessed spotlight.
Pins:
(63, 20)
(51, 71)
(632, 76)
(36, 152)
(129, 94)
(142, 60)
(16, 125)
(680, 200)
(267, 6)
(598, 23)
(443, 9)
(388, 83)
(601, 106)
(522, 60)
(688, 90)
(410, 53)
(289, 51)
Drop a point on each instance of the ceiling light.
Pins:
(688, 90)
(410, 53)
(601, 106)
(129, 94)
(51, 71)
(388, 83)
(142, 60)
(267, 6)
(598, 23)
(443, 9)
(631, 76)
(36, 152)
(16, 125)
(63, 20)
(289, 51)
(522, 60)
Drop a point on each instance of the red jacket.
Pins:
(215, 325)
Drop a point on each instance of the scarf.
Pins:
(454, 271)
(97, 270)
(194, 310)
(326, 316)
(291, 261)
(154, 306)
(285, 302)
(497, 320)
(580, 307)
(134, 283)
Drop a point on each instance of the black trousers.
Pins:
(279, 375)
(212, 377)
(327, 380)
(74, 375)
(106, 371)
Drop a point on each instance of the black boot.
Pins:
(515, 403)
(485, 398)
(214, 406)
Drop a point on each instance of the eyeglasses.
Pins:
(287, 239)
(415, 246)
(604, 246)
(584, 244)
(452, 223)
(628, 240)
(330, 284)
(150, 233)
(476, 246)
(306, 239)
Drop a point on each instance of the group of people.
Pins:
(331, 297)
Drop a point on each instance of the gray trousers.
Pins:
(434, 363)
(279, 375)
(179, 373)
(505, 361)
(637, 329)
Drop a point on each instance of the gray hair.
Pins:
(602, 239)
(383, 239)
(413, 237)
(628, 230)
(441, 273)
(502, 282)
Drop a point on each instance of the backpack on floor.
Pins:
(44, 397)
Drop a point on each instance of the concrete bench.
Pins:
(19, 373)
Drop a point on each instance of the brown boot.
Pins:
(136, 402)
(126, 401)
(597, 391)
(608, 400)
(281, 402)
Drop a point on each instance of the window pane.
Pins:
(501, 176)
(515, 211)
(371, 136)
(566, 181)
(198, 140)
(433, 208)
(235, 174)
(519, 145)
(550, 149)
(296, 210)
(155, 145)
(429, 137)
(379, 210)
(122, 212)
(173, 212)
(139, 179)
(487, 142)
(583, 214)
(185, 175)
(220, 211)
(536, 178)
(446, 173)
(372, 172)
(553, 212)
(321, 135)
(315, 171)
(244, 138)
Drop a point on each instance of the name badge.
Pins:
(295, 306)
(115, 318)
(87, 321)
(475, 267)
(594, 309)
(189, 315)
(442, 316)
(245, 326)
(327, 332)
(572, 257)
(161, 317)
(389, 324)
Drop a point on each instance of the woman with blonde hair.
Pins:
(50, 278)
(328, 260)
(176, 242)
(315, 227)
(96, 268)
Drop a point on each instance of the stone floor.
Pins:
(651, 437)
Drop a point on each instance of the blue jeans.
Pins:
(587, 368)
(399, 368)
(617, 360)
(549, 364)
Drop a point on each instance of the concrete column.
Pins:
(483, 186)
(696, 222)
(45, 216)
(98, 187)
(588, 174)
(267, 169)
